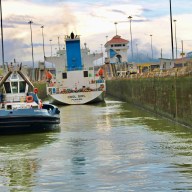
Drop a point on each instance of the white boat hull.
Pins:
(77, 98)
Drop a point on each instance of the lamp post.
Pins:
(116, 27)
(102, 52)
(96, 55)
(151, 47)
(33, 75)
(42, 27)
(171, 29)
(51, 46)
(106, 38)
(137, 53)
(2, 45)
(59, 43)
(175, 38)
(130, 18)
(182, 53)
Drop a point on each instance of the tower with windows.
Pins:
(117, 50)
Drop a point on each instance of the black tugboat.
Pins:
(22, 111)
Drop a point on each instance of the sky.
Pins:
(94, 21)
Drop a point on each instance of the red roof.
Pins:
(116, 39)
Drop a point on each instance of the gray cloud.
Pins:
(12, 20)
(146, 10)
(10, 46)
(142, 52)
(97, 16)
(14, 48)
(118, 11)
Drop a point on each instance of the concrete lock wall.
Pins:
(170, 97)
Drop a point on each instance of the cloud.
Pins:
(13, 20)
(119, 11)
(93, 21)
(12, 47)
(145, 10)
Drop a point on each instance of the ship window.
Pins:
(14, 86)
(14, 76)
(85, 73)
(9, 107)
(22, 85)
(64, 75)
(7, 87)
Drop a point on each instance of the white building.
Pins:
(166, 64)
(117, 50)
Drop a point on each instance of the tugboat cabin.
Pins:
(15, 91)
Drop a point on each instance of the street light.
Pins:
(102, 53)
(130, 18)
(175, 38)
(151, 48)
(51, 46)
(106, 38)
(96, 55)
(116, 27)
(58, 43)
(137, 53)
(171, 30)
(2, 45)
(33, 75)
(42, 27)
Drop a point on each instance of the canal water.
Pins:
(106, 147)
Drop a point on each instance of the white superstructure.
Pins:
(75, 81)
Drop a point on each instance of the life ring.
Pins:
(29, 99)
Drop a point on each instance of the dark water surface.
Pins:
(105, 147)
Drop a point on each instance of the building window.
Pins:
(118, 45)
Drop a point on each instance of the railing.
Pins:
(174, 72)
(79, 68)
(54, 90)
(14, 98)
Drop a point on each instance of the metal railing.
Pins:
(174, 72)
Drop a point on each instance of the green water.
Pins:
(104, 147)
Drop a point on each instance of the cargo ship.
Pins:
(76, 81)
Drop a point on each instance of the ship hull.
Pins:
(78, 98)
(28, 121)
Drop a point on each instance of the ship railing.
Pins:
(79, 68)
(7, 99)
(97, 81)
(64, 90)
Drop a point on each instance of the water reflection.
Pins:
(112, 146)
(18, 165)
(129, 136)
(78, 157)
(169, 145)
